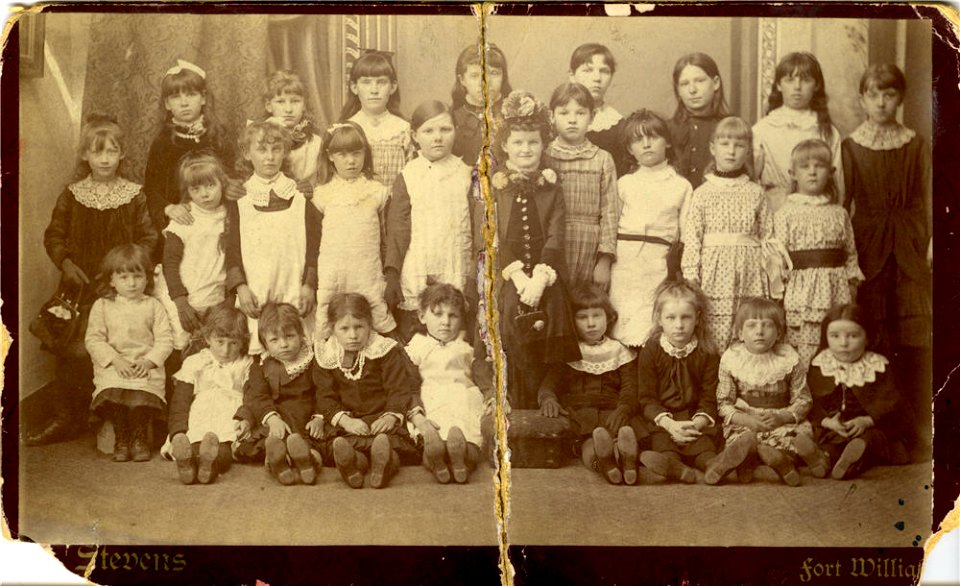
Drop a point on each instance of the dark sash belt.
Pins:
(818, 258)
(642, 238)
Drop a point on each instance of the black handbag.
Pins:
(57, 323)
(531, 325)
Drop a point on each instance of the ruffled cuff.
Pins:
(511, 268)
(546, 272)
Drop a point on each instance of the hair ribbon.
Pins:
(186, 65)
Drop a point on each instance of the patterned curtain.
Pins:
(129, 54)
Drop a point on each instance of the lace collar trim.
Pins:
(383, 128)
(101, 195)
(563, 152)
(258, 188)
(760, 369)
(604, 118)
(727, 181)
(298, 365)
(601, 358)
(809, 200)
(330, 351)
(679, 353)
(851, 374)
(881, 138)
(784, 117)
(193, 131)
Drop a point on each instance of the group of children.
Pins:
(324, 309)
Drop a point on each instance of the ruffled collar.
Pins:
(679, 353)
(563, 152)
(330, 353)
(604, 357)
(760, 369)
(851, 374)
(193, 131)
(661, 172)
(604, 118)
(384, 127)
(808, 200)
(784, 117)
(301, 132)
(100, 195)
(259, 189)
(727, 181)
(514, 182)
(882, 138)
(298, 365)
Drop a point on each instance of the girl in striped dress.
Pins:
(374, 105)
(589, 181)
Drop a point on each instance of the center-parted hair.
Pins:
(372, 64)
(850, 312)
(734, 127)
(645, 123)
(224, 321)
(353, 304)
(278, 318)
(816, 149)
(760, 308)
(199, 168)
(126, 258)
(427, 111)
(803, 64)
(718, 106)
(589, 296)
(343, 137)
(686, 291)
(495, 59)
(186, 80)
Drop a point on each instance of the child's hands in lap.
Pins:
(835, 425)
(242, 427)
(189, 318)
(617, 418)
(550, 407)
(753, 423)
(681, 432)
(354, 426)
(74, 273)
(384, 424)
(126, 368)
(179, 213)
(249, 304)
(771, 421)
(308, 300)
(858, 425)
(278, 427)
(315, 428)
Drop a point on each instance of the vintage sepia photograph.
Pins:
(470, 277)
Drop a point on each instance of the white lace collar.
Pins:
(564, 152)
(675, 352)
(329, 352)
(604, 118)
(851, 374)
(387, 126)
(661, 172)
(258, 188)
(100, 195)
(299, 364)
(727, 182)
(784, 117)
(760, 369)
(604, 357)
(882, 138)
(809, 200)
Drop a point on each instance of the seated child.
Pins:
(279, 398)
(451, 401)
(598, 392)
(677, 384)
(763, 398)
(857, 413)
(208, 390)
(366, 388)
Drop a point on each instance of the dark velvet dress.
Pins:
(690, 139)
(471, 127)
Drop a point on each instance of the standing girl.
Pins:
(816, 232)
(677, 391)
(352, 204)
(366, 387)
(598, 392)
(589, 181)
(887, 169)
(469, 99)
(536, 324)
(652, 204)
(796, 110)
(431, 219)
(374, 105)
(285, 102)
(272, 234)
(207, 392)
(700, 105)
(189, 125)
(193, 254)
(128, 338)
(451, 400)
(727, 219)
(763, 398)
(592, 65)
(857, 412)
(98, 212)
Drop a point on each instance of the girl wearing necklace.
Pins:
(189, 125)
(366, 390)
(99, 211)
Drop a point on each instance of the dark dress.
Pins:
(682, 387)
(471, 128)
(530, 212)
(855, 397)
(610, 140)
(690, 138)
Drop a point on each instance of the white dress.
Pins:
(349, 257)
(652, 202)
(217, 394)
(449, 396)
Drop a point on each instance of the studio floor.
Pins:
(71, 493)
